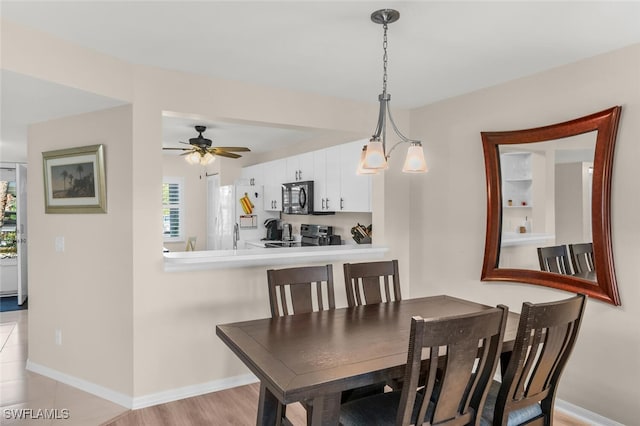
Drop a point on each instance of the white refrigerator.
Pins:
(225, 209)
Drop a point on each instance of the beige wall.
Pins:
(163, 329)
(175, 313)
(449, 214)
(163, 333)
(85, 291)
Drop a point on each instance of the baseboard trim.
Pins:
(149, 400)
(193, 390)
(92, 388)
(232, 382)
(583, 414)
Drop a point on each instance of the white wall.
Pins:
(450, 214)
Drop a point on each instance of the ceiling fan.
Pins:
(201, 151)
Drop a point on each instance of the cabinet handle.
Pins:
(327, 204)
(341, 203)
(300, 174)
(323, 204)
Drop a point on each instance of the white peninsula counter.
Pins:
(217, 259)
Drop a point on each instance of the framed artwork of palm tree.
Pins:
(74, 180)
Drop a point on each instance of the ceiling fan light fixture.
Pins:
(207, 158)
(193, 158)
(201, 152)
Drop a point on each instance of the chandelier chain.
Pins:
(384, 60)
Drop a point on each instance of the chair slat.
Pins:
(363, 282)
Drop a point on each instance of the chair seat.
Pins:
(516, 417)
(379, 410)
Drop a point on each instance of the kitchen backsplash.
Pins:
(341, 222)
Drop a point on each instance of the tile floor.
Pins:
(22, 389)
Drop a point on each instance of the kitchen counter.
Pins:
(528, 238)
(216, 259)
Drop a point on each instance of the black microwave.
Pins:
(297, 197)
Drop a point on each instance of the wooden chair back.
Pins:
(546, 336)
(582, 257)
(372, 282)
(554, 259)
(466, 348)
(300, 290)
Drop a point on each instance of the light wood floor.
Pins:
(236, 406)
(20, 388)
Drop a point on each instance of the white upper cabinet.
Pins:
(300, 167)
(253, 175)
(337, 186)
(326, 188)
(355, 189)
(274, 176)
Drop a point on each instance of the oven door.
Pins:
(297, 198)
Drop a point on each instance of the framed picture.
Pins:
(74, 180)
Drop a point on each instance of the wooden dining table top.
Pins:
(303, 356)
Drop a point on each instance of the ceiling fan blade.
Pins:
(179, 149)
(232, 148)
(226, 154)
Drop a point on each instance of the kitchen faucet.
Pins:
(236, 235)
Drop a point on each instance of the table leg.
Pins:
(270, 411)
(326, 410)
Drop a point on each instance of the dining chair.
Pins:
(554, 259)
(546, 336)
(364, 282)
(300, 290)
(450, 387)
(582, 257)
(296, 291)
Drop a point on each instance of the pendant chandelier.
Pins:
(374, 155)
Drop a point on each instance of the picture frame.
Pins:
(74, 180)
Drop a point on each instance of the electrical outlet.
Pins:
(58, 334)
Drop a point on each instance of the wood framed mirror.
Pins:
(528, 208)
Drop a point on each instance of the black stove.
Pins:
(318, 235)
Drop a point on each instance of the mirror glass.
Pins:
(548, 219)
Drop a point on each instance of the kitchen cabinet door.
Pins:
(327, 179)
(300, 167)
(253, 175)
(355, 190)
(274, 177)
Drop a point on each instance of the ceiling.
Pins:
(437, 50)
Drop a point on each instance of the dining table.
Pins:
(316, 356)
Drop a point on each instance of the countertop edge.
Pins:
(213, 259)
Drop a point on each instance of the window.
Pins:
(172, 209)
